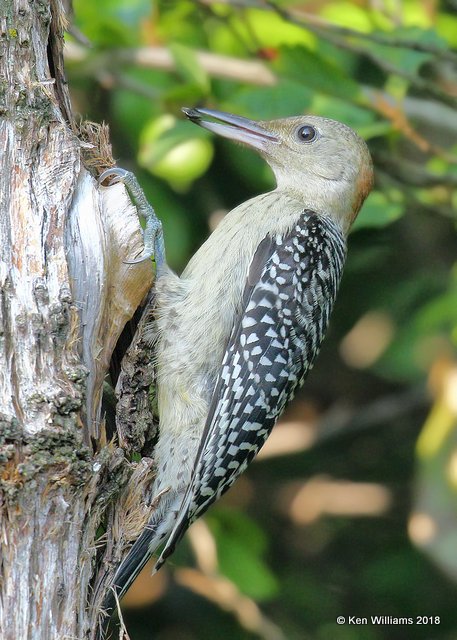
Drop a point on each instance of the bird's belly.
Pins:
(189, 358)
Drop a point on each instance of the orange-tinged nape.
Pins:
(364, 185)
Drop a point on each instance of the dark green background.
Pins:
(391, 75)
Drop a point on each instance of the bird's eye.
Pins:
(307, 133)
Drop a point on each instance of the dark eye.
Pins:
(307, 133)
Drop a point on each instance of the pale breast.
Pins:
(197, 312)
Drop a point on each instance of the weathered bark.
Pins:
(65, 295)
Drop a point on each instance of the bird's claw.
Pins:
(118, 173)
(144, 255)
(152, 234)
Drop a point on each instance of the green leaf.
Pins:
(347, 14)
(132, 111)
(270, 30)
(175, 151)
(111, 22)
(266, 103)
(337, 109)
(378, 211)
(235, 524)
(416, 35)
(241, 545)
(249, 167)
(313, 72)
(179, 22)
(406, 58)
(412, 350)
(446, 24)
(189, 67)
(439, 315)
(181, 94)
(247, 570)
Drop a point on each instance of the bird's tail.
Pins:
(156, 531)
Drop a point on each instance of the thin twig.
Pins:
(375, 414)
(108, 80)
(305, 19)
(433, 209)
(412, 173)
(336, 35)
(334, 38)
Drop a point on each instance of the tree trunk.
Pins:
(65, 296)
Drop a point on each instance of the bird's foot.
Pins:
(153, 233)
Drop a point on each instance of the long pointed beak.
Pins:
(233, 127)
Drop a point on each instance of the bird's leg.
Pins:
(153, 234)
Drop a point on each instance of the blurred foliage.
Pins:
(388, 69)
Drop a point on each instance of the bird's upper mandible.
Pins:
(323, 162)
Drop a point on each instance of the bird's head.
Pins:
(321, 162)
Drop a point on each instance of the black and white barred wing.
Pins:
(291, 287)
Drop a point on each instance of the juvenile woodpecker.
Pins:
(240, 329)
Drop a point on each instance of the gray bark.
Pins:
(65, 295)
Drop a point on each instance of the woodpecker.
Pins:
(237, 333)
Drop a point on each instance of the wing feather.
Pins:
(289, 292)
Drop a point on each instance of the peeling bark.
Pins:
(66, 294)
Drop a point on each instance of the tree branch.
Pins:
(66, 293)
(218, 66)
